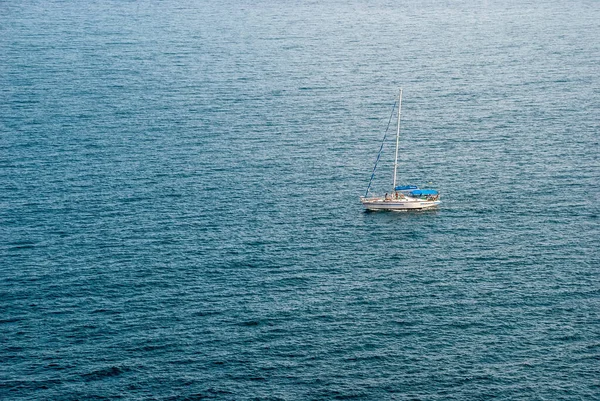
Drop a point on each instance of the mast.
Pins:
(397, 139)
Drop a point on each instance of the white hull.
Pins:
(404, 204)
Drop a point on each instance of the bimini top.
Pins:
(405, 187)
(420, 192)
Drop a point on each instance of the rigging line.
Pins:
(380, 149)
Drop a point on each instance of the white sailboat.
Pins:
(403, 197)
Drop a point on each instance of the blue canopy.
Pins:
(420, 192)
(406, 187)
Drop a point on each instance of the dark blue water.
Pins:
(179, 212)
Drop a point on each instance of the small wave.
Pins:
(100, 374)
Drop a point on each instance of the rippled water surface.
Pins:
(179, 212)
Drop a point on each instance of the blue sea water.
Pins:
(179, 212)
